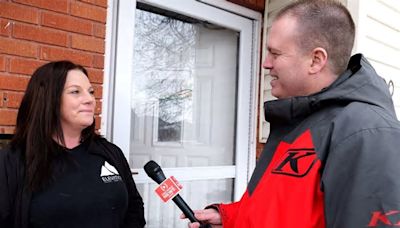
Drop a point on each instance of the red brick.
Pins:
(5, 27)
(13, 99)
(99, 30)
(7, 130)
(16, 47)
(97, 120)
(97, 111)
(56, 5)
(40, 34)
(98, 61)
(98, 90)
(66, 23)
(79, 57)
(24, 66)
(8, 117)
(87, 43)
(88, 11)
(2, 63)
(1, 99)
(95, 76)
(102, 3)
(19, 12)
(13, 82)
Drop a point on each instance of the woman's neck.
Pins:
(71, 138)
(72, 142)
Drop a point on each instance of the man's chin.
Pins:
(275, 94)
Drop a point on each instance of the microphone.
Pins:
(154, 171)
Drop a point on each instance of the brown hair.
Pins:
(326, 24)
(39, 121)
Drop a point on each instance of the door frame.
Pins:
(118, 72)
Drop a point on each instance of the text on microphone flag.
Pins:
(168, 189)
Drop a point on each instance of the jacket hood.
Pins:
(359, 83)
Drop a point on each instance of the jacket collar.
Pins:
(293, 110)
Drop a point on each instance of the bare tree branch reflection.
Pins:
(164, 58)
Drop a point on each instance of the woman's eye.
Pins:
(91, 92)
(75, 91)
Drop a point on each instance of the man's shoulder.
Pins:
(366, 116)
(361, 118)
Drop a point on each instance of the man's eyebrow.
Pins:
(272, 49)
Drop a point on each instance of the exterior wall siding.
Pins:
(33, 32)
(378, 36)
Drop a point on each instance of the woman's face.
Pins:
(77, 102)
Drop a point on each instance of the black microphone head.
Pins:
(154, 171)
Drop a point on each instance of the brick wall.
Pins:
(33, 32)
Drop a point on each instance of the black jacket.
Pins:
(15, 198)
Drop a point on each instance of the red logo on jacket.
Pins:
(380, 218)
(296, 162)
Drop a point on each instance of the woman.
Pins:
(57, 171)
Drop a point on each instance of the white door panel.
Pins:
(188, 88)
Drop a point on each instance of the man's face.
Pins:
(287, 65)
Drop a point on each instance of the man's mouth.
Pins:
(274, 77)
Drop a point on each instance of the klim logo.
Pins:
(382, 219)
(296, 162)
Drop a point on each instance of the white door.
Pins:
(183, 98)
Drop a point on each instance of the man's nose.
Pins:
(267, 64)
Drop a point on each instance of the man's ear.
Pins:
(319, 60)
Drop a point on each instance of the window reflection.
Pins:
(170, 120)
(164, 62)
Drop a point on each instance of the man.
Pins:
(333, 155)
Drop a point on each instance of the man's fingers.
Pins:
(194, 225)
(203, 216)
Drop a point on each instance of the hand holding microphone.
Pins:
(154, 171)
(209, 216)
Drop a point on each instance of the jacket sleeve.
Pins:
(135, 214)
(6, 196)
(228, 213)
(361, 180)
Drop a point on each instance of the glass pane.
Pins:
(197, 194)
(184, 91)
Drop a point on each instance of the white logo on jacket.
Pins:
(109, 173)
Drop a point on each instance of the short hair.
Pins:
(323, 23)
(39, 120)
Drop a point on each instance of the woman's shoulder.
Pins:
(10, 156)
(103, 141)
(106, 146)
(7, 151)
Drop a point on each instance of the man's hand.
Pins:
(210, 216)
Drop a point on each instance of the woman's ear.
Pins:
(319, 60)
